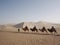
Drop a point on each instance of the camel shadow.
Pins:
(34, 33)
(57, 35)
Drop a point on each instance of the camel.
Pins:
(34, 29)
(25, 28)
(43, 29)
(52, 30)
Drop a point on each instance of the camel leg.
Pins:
(28, 30)
(52, 33)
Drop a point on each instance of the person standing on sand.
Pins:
(18, 30)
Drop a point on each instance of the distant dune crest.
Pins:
(37, 24)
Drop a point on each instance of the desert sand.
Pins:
(9, 35)
(25, 38)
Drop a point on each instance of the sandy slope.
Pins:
(14, 38)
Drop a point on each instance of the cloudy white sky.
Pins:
(15, 11)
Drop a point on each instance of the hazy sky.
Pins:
(15, 11)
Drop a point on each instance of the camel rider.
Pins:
(53, 29)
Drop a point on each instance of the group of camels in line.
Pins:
(42, 30)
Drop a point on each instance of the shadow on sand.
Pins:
(34, 33)
(57, 35)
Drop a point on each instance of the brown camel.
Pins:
(52, 30)
(34, 29)
(43, 29)
(25, 28)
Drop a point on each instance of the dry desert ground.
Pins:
(28, 38)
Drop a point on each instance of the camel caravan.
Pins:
(34, 29)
